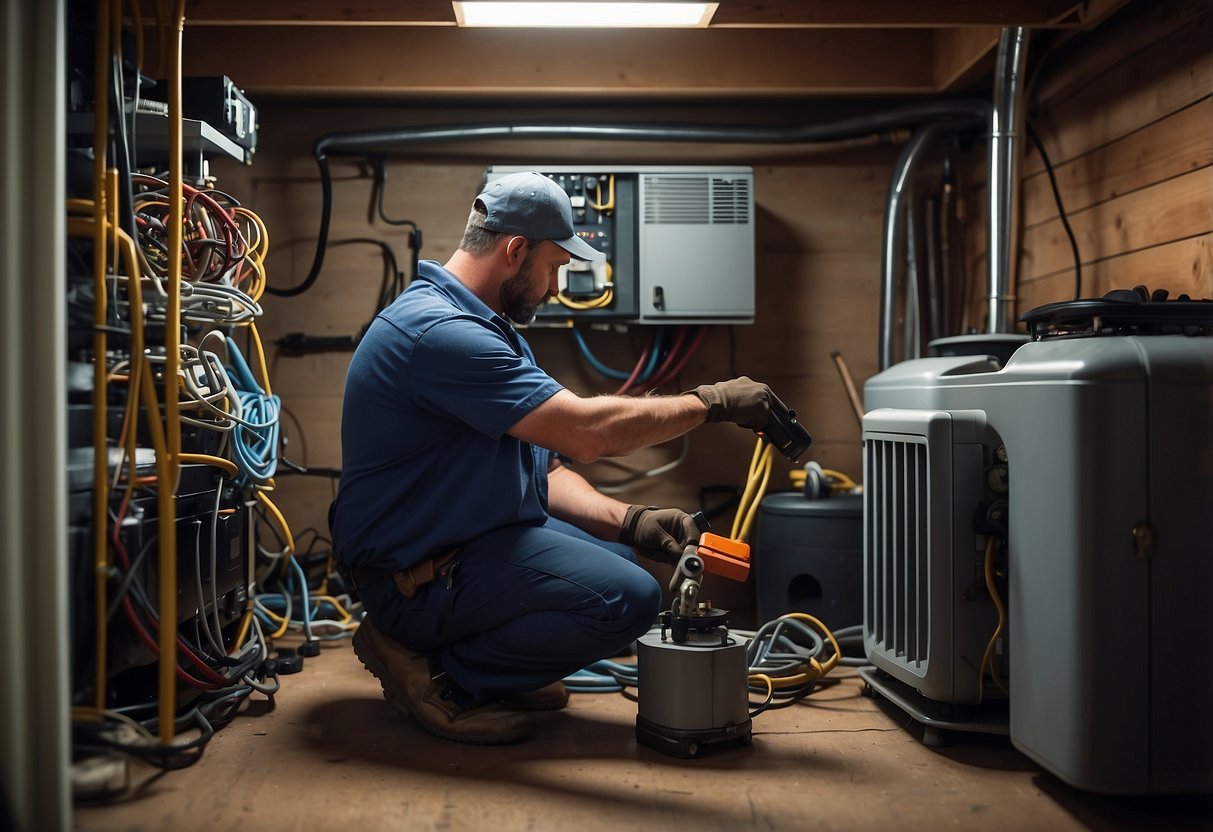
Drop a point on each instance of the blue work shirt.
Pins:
(427, 465)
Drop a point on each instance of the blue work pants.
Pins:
(523, 606)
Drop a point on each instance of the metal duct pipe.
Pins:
(369, 141)
(1006, 154)
(366, 142)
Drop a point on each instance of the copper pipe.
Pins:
(852, 394)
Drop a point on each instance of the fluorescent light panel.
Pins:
(604, 15)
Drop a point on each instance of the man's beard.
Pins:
(517, 302)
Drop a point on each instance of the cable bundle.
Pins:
(255, 438)
(755, 488)
(659, 362)
(222, 256)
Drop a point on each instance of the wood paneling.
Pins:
(961, 55)
(730, 13)
(1126, 90)
(1174, 209)
(1180, 267)
(481, 62)
(1169, 147)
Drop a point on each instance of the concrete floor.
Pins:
(331, 754)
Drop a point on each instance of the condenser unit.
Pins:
(1102, 434)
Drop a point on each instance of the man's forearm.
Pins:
(572, 499)
(598, 426)
(626, 424)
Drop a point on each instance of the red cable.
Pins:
(649, 384)
(644, 357)
(677, 368)
(217, 679)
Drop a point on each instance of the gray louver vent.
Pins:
(923, 484)
(898, 497)
(696, 200)
(730, 201)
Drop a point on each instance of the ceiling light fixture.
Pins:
(603, 15)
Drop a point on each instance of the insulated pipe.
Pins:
(1006, 153)
(364, 142)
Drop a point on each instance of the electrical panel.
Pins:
(678, 244)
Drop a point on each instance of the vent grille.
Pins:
(898, 507)
(696, 200)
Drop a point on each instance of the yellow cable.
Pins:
(756, 485)
(760, 491)
(282, 524)
(166, 494)
(227, 465)
(260, 350)
(818, 669)
(100, 313)
(1002, 620)
(81, 713)
(245, 623)
(284, 622)
(609, 205)
(599, 302)
(839, 483)
(766, 680)
(341, 611)
(744, 501)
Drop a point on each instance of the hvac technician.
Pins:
(489, 571)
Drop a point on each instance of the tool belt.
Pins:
(408, 581)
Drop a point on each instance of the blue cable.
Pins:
(603, 676)
(255, 445)
(651, 364)
(307, 606)
(593, 361)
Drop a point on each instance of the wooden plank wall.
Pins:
(1126, 118)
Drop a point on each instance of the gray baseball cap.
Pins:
(533, 206)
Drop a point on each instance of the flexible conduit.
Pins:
(911, 152)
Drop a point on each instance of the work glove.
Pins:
(742, 401)
(661, 532)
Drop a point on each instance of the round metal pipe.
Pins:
(1006, 154)
(367, 141)
(906, 163)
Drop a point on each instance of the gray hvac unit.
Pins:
(1105, 424)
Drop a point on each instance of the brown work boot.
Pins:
(408, 687)
(551, 697)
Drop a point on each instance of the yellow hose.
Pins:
(168, 464)
(100, 312)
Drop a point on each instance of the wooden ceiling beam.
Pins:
(389, 61)
(729, 14)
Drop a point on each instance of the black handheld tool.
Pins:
(783, 431)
